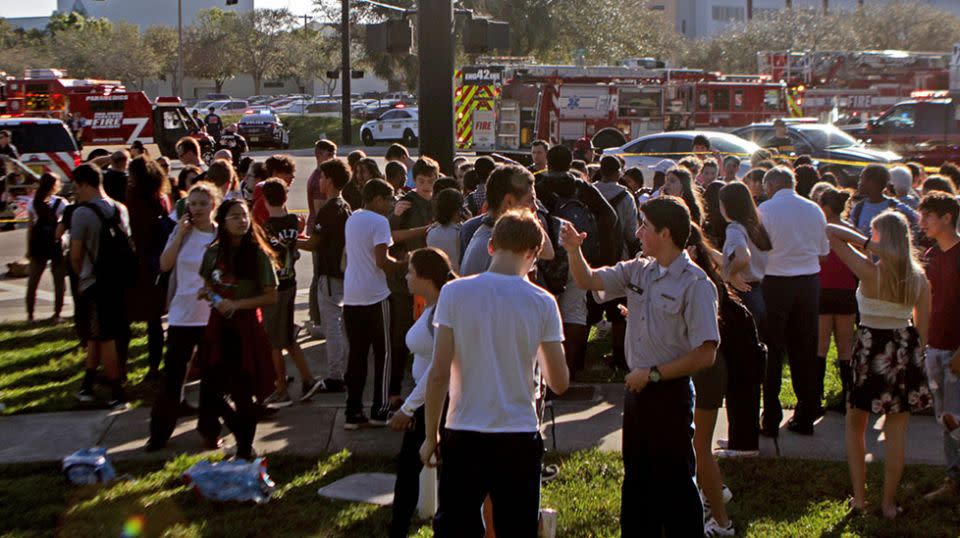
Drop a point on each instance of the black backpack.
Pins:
(573, 210)
(43, 244)
(116, 262)
(553, 274)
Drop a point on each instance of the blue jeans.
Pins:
(946, 399)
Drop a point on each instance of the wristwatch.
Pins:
(655, 375)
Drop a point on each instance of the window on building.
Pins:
(729, 13)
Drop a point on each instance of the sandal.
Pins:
(897, 511)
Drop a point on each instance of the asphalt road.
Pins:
(13, 247)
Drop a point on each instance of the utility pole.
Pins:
(436, 81)
(749, 10)
(346, 124)
(179, 90)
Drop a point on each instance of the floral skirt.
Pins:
(888, 371)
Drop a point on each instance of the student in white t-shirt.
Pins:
(487, 355)
(430, 269)
(366, 306)
(188, 315)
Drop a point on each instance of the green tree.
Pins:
(162, 42)
(79, 47)
(260, 38)
(138, 62)
(210, 47)
(22, 50)
(309, 55)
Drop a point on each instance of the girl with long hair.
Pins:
(888, 357)
(838, 297)
(188, 314)
(429, 270)
(745, 248)
(149, 205)
(447, 205)
(715, 226)
(239, 275)
(679, 183)
(43, 244)
(710, 385)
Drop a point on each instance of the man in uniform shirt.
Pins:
(672, 332)
(781, 140)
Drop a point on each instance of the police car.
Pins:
(401, 124)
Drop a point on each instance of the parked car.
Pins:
(823, 142)
(396, 124)
(921, 130)
(217, 97)
(221, 107)
(264, 129)
(676, 145)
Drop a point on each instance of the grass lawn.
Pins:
(772, 498)
(305, 130)
(41, 368)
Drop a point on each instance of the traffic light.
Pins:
(356, 73)
(333, 73)
(394, 36)
(484, 35)
(232, 2)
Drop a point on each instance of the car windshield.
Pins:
(41, 138)
(258, 118)
(726, 144)
(826, 136)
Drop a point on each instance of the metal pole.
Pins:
(436, 81)
(346, 125)
(179, 88)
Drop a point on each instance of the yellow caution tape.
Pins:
(824, 161)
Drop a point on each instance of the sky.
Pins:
(39, 8)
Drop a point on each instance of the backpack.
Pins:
(553, 274)
(858, 210)
(621, 233)
(43, 237)
(116, 260)
(573, 210)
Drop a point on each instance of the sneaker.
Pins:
(548, 473)
(800, 427)
(153, 446)
(118, 405)
(727, 494)
(949, 490)
(726, 453)
(379, 417)
(85, 396)
(331, 385)
(355, 422)
(310, 388)
(278, 399)
(712, 529)
(723, 443)
(316, 332)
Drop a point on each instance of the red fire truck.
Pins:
(110, 114)
(504, 108)
(851, 86)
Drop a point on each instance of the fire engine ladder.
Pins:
(508, 135)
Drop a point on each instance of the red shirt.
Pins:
(259, 211)
(835, 275)
(943, 271)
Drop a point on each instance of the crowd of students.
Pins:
(706, 281)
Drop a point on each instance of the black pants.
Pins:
(367, 326)
(406, 491)
(793, 310)
(505, 466)
(154, 344)
(660, 496)
(401, 319)
(228, 378)
(58, 268)
(181, 341)
(744, 379)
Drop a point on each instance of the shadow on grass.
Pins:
(41, 366)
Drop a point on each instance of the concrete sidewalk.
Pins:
(592, 419)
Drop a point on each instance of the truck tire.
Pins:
(367, 138)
